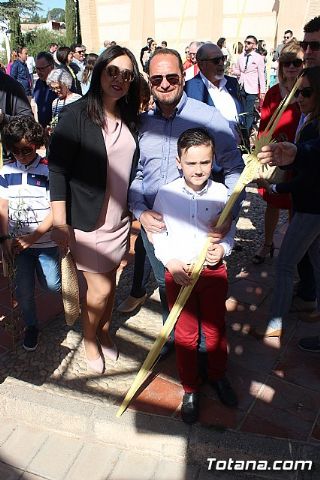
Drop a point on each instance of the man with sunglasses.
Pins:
(214, 88)
(287, 37)
(158, 134)
(250, 72)
(77, 63)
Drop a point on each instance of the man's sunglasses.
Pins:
(315, 46)
(114, 72)
(306, 92)
(217, 60)
(172, 78)
(248, 42)
(296, 63)
(23, 152)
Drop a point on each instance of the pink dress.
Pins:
(101, 250)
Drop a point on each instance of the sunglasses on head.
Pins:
(217, 60)
(23, 152)
(114, 72)
(315, 46)
(296, 63)
(306, 92)
(172, 78)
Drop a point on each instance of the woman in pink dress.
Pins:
(92, 158)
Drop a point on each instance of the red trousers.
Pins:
(206, 305)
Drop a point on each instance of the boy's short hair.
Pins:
(194, 137)
(22, 127)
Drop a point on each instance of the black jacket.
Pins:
(78, 166)
(305, 185)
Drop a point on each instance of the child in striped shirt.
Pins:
(25, 220)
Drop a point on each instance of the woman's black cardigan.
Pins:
(78, 166)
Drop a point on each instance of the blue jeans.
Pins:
(45, 263)
(248, 105)
(303, 235)
(158, 270)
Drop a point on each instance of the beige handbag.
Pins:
(70, 289)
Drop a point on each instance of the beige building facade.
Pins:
(130, 22)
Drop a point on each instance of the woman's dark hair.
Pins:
(194, 137)
(62, 55)
(90, 61)
(313, 75)
(220, 42)
(128, 105)
(22, 127)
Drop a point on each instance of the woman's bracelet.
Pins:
(3, 238)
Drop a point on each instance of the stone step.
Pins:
(145, 434)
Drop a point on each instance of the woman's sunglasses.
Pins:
(172, 78)
(296, 63)
(114, 72)
(306, 92)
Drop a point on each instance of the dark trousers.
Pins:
(142, 269)
(248, 105)
(307, 284)
(205, 307)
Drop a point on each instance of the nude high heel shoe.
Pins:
(96, 365)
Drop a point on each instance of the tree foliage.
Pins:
(71, 22)
(57, 14)
(11, 12)
(39, 40)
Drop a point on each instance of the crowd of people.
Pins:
(163, 146)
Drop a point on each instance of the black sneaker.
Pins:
(30, 341)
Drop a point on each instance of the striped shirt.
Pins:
(26, 187)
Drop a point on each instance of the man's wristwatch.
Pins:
(273, 188)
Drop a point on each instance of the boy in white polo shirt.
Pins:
(190, 206)
(25, 220)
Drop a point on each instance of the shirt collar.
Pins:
(179, 106)
(189, 190)
(208, 84)
(33, 164)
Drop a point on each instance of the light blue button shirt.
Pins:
(158, 138)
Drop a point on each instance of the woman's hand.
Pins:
(279, 154)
